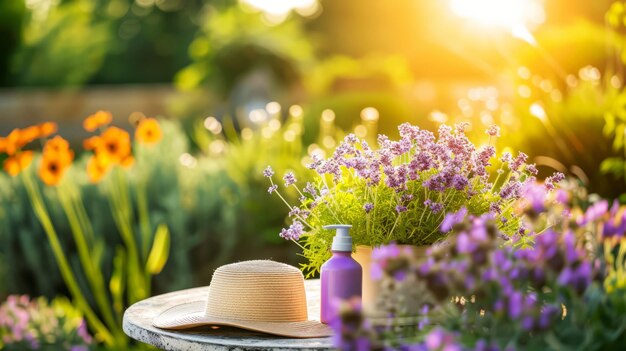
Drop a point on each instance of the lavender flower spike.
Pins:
(452, 219)
(293, 232)
(272, 188)
(551, 181)
(289, 179)
(268, 172)
(493, 130)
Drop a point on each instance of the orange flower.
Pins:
(96, 168)
(97, 120)
(58, 147)
(114, 145)
(27, 135)
(20, 137)
(57, 157)
(128, 162)
(51, 170)
(91, 143)
(11, 144)
(148, 131)
(56, 144)
(17, 163)
(46, 129)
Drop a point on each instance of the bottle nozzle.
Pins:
(342, 240)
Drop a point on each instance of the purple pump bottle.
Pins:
(341, 275)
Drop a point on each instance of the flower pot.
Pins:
(405, 298)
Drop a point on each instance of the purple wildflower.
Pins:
(594, 212)
(295, 211)
(462, 127)
(310, 188)
(435, 207)
(294, 231)
(532, 169)
(438, 339)
(482, 160)
(368, 207)
(451, 219)
(268, 172)
(514, 308)
(465, 244)
(289, 179)
(495, 208)
(83, 333)
(579, 278)
(493, 130)
(400, 208)
(436, 183)
(425, 138)
(561, 197)
(536, 196)
(408, 131)
(421, 161)
(272, 188)
(317, 162)
(551, 181)
(506, 157)
(518, 161)
(459, 182)
(546, 316)
(511, 190)
(616, 225)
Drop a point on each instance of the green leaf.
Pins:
(609, 123)
(618, 143)
(98, 252)
(160, 250)
(117, 283)
(613, 165)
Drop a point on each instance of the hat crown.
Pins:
(260, 290)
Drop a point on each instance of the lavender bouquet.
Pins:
(401, 190)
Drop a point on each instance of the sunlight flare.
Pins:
(515, 15)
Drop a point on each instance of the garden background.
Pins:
(238, 85)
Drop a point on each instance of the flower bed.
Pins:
(566, 292)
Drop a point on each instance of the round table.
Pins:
(138, 325)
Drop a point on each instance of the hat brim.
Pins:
(192, 314)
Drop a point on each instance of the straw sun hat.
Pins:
(264, 296)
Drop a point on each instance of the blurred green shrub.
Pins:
(62, 44)
(72, 43)
(559, 124)
(11, 24)
(233, 42)
(243, 154)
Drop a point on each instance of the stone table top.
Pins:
(138, 325)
